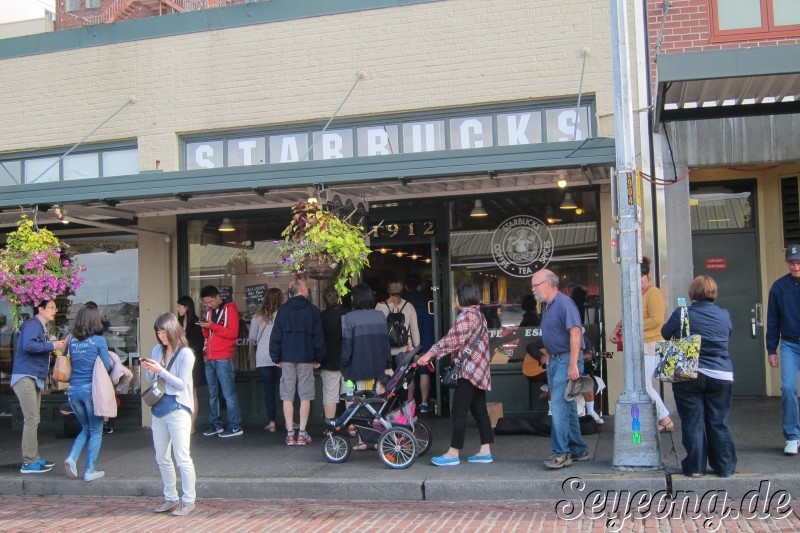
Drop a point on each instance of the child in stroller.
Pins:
(395, 430)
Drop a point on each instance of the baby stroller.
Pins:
(400, 436)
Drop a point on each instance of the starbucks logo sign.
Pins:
(522, 245)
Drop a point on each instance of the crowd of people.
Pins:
(355, 344)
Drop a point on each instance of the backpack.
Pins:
(396, 322)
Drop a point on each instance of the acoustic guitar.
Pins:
(531, 368)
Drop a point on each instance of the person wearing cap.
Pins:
(783, 328)
(563, 340)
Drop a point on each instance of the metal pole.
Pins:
(636, 437)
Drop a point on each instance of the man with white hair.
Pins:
(562, 337)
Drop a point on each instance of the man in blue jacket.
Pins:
(297, 345)
(783, 326)
(28, 378)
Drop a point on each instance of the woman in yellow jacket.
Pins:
(653, 319)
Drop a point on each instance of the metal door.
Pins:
(731, 258)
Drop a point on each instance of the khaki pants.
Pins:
(30, 400)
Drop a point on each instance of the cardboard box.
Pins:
(495, 412)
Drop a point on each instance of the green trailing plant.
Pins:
(316, 233)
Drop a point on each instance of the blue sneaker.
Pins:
(444, 461)
(48, 464)
(231, 432)
(423, 408)
(484, 459)
(212, 430)
(35, 468)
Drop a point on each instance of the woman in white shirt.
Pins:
(260, 331)
(172, 361)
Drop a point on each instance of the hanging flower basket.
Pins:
(34, 267)
(321, 269)
(318, 244)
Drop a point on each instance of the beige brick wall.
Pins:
(427, 56)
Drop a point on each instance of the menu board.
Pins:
(254, 296)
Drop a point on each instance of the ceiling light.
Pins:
(551, 217)
(579, 211)
(561, 183)
(226, 225)
(428, 260)
(478, 210)
(399, 253)
(414, 256)
(384, 250)
(568, 202)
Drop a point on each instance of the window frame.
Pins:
(767, 29)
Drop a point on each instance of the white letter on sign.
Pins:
(466, 135)
(516, 132)
(289, 150)
(378, 142)
(331, 146)
(247, 148)
(202, 154)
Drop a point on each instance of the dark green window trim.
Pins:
(190, 22)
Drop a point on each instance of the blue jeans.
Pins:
(80, 398)
(790, 366)
(565, 435)
(704, 405)
(222, 370)
(270, 375)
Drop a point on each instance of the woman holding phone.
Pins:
(172, 361)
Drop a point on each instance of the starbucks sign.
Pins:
(522, 245)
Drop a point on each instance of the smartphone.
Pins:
(681, 302)
(144, 359)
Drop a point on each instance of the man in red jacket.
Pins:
(221, 330)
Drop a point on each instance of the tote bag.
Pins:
(678, 358)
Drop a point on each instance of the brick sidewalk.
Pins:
(109, 514)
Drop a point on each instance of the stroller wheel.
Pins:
(397, 447)
(336, 448)
(423, 436)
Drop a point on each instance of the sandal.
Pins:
(666, 428)
(270, 427)
(363, 447)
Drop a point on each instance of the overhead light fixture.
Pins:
(226, 225)
(61, 213)
(399, 253)
(579, 211)
(414, 256)
(427, 260)
(568, 202)
(383, 250)
(478, 210)
(562, 178)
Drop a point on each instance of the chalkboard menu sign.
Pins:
(254, 296)
(225, 292)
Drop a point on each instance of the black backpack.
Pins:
(398, 332)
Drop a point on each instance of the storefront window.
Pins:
(111, 281)
(514, 236)
(241, 264)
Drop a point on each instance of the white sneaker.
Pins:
(597, 418)
(791, 447)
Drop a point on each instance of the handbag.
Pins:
(155, 391)
(449, 377)
(679, 358)
(62, 369)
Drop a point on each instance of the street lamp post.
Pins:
(636, 437)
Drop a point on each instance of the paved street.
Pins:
(107, 514)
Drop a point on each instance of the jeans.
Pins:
(30, 400)
(565, 435)
(469, 397)
(80, 398)
(650, 363)
(790, 366)
(704, 405)
(222, 369)
(171, 437)
(270, 375)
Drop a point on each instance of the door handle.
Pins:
(760, 315)
(753, 326)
